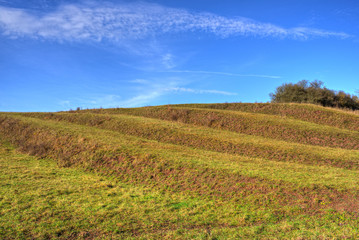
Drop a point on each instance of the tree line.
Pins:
(314, 92)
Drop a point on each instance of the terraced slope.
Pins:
(221, 173)
(268, 126)
(211, 139)
(306, 112)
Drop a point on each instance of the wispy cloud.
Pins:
(65, 103)
(140, 81)
(200, 91)
(224, 73)
(118, 22)
(106, 101)
(143, 99)
(150, 90)
(147, 92)
(167, 61)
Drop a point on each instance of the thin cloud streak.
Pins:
(135, 21)
(199, 91)
(146, 96)
(224, 73)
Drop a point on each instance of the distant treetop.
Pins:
(315, 93)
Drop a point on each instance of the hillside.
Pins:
(193, 171)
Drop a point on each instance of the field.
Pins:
(195, 171)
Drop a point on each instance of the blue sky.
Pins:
(61, 54)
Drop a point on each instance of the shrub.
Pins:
(314, 92)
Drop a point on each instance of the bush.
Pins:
(315, 93)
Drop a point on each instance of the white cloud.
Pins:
(121, 22)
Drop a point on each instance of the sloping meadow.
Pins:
(263, 169)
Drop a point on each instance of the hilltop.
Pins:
(188, 171)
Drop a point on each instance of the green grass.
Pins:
(107, 174)
(40, 200)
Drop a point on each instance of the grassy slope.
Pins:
(207, 184)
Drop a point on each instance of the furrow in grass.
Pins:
(180, 169)
(248, 123)
(305, 112)
(211, 139)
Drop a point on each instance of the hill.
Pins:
(194, 171)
